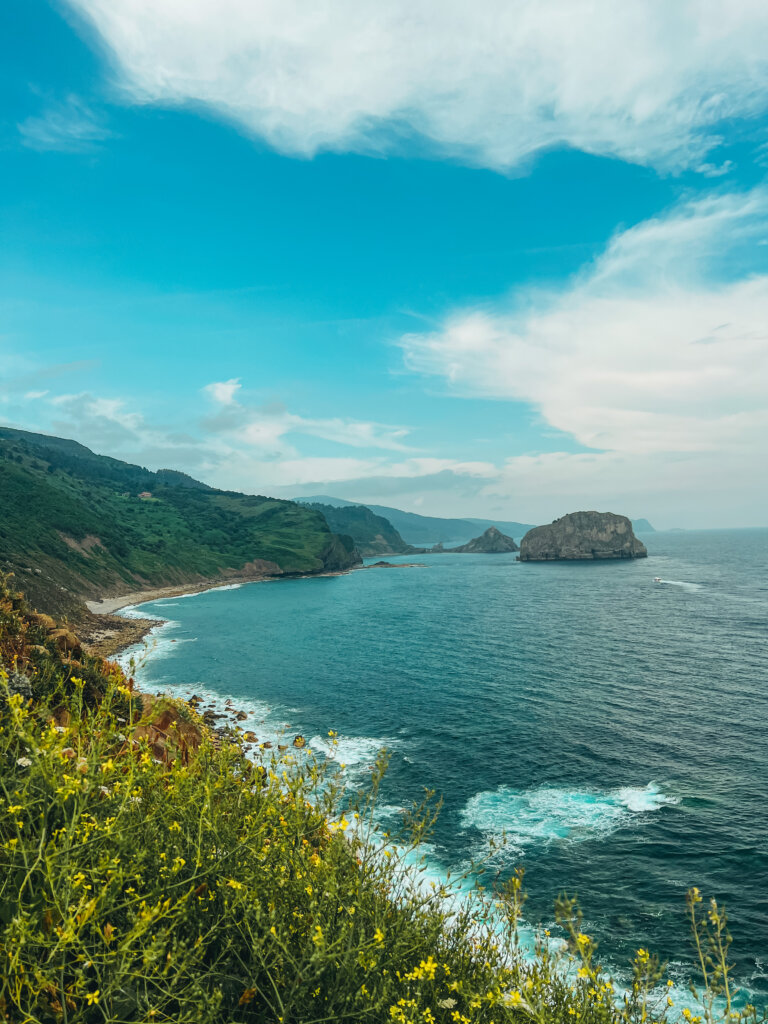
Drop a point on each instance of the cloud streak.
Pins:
(491, 82)
(67, 127)
(265, 429)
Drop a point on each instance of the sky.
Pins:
(504, 259)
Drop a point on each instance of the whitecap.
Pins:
(645, 798)
(351, 751)
(549, 814)
(133, 611)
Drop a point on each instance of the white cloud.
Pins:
(265, 429)
(643, 353)
(224, 391)
(69, 127)
(649, 356)
(492, 81)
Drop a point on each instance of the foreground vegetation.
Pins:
(73, 526)
(178, 881)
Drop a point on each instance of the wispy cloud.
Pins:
(265, 429)
(69, 127)
(492, 81)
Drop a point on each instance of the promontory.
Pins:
(582, 535)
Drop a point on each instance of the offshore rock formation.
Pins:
(492, 542)
(582, 535)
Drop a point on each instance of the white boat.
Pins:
(657, 579)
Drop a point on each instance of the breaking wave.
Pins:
(550, 814)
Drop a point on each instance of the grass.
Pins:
(201, 887)
(53, 500)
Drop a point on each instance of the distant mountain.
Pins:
(76, 525)
(372, 534)
(642, 526)
(424, 531)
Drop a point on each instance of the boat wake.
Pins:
(683, 584)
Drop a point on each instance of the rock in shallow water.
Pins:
(582, 535)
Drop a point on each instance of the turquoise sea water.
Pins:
(616, 729)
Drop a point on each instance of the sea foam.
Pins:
(549, 814)
(356, 753)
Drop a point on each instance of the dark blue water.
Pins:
(615, 728)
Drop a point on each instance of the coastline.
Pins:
(110, 605)
(108, 634)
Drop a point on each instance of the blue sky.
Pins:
(488, 259)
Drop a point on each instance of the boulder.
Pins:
(40, 619)
(67, 642)
(582, 536)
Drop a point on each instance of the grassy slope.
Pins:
(186, 532)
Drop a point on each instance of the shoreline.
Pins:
(109, 634)
(110, 605)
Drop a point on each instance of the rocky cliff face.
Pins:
(582, 535)
(372, 534)
(492, 542)
(340, 553)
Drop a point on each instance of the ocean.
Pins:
(613, 728)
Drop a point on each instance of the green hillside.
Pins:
(372, 534)
(72, 526)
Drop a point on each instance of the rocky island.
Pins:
(492, 542)
(582, 535)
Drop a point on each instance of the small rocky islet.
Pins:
(492, 542)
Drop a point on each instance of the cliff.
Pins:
(372, 534)
(582, 535)
(492, 542)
